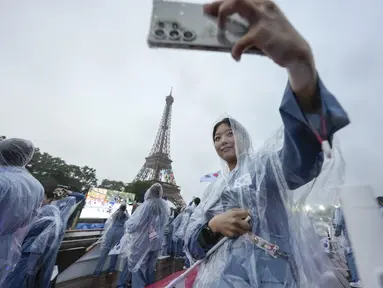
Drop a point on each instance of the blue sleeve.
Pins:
(301, 155)
(194, 248)
(79, 196)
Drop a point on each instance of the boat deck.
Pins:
(341, 270)
(109, 281)
(104, 281)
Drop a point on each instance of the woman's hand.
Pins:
(272, 33)
(269, 29)
(231, 223)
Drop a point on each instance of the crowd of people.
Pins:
(33, 216)
(36, 215)
(151, 231)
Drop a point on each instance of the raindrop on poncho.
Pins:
(274, 184)
(20, 197)
(146, 230)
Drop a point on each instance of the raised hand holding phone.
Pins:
(269, 29)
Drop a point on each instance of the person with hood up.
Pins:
(168, 235)
(21, 195)
(177, 243)
(145, 230)
(113, 232)
(40, 248)
(251, 201)
(179, 233)
(166, 244)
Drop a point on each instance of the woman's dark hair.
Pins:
(197, 201)
(223, 121)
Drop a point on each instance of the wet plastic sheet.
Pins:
(39, 251)
(179, 234)
(278, 214)
(145, 230)
(175, 225)
(114, 228)
(20, 197)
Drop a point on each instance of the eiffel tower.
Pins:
(158, 165)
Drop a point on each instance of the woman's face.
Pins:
(224, 143)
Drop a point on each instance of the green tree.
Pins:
(43, 165)
(139, 188)
(112, 185)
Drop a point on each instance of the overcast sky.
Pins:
(77, 78)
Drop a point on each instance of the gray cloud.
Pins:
(78, 79)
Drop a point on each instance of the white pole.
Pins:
(365, 227)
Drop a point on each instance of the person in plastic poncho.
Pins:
(40, 248)
(20, 197)
(112, 235)
(146, 231)
(43, 241)
(55, 195)
(179, 233)
(176, 242)
(167, 241)
(259, 184)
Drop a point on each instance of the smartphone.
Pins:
(182, 25)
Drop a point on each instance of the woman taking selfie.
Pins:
(274, 248)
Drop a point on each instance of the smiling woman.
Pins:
(260, 185)
(225, 142)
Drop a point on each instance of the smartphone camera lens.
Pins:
(161, 25)
(159, 33)
(174, 34)
(175, 26)
(188, 35)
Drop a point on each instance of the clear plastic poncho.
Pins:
(145, 229)
(20, 197)
(65, 206)
(114, 229)
(179, 233)
(174, 226)
(39, 251)
(278, 215)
